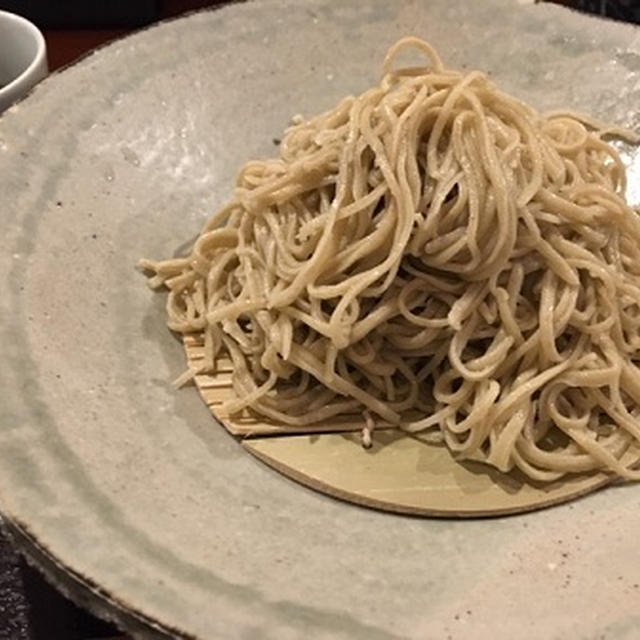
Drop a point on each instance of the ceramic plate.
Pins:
(127, 493)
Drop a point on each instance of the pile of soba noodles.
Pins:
(436, 255)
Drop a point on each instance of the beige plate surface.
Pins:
(123, 489)
(403, 475)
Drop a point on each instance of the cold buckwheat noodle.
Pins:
(432, 254)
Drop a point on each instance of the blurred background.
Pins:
(73, 27)
(29, 608)
(627, 10)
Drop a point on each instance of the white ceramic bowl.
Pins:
(23, 58)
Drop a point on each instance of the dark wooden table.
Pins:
(66, 45)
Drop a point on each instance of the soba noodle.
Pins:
(438, 256)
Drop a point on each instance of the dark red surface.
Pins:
(66, 45)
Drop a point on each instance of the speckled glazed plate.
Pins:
(127, 493)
